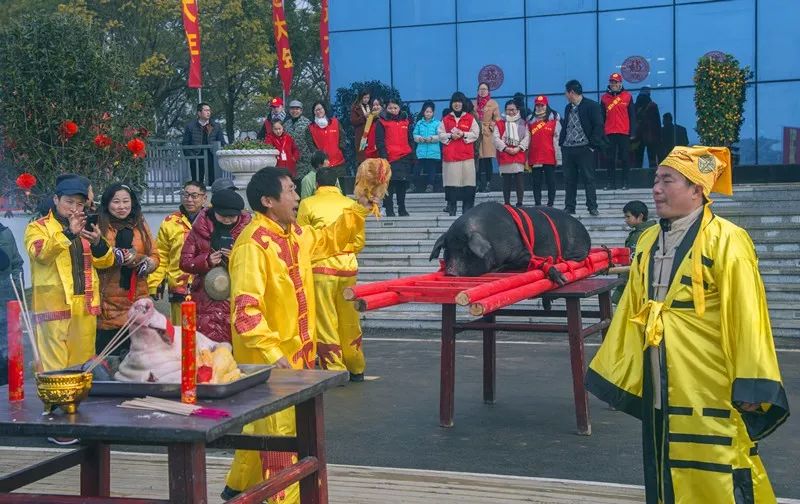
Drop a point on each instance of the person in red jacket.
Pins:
(208, 246)
(288, 153)
(544, 154)
(511, 139)
(368, 147)
(394, 140)
(458, 131)
(325, 134)
(620, 123)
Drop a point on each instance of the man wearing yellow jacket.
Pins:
(338, 327)
(171, 235)
(272, 307)
(66, 296)
(690, 349)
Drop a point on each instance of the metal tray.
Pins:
(254, 374)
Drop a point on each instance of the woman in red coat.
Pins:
(208, 246)
(288, 153)
(325, 134)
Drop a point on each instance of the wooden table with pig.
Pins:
(99, 423)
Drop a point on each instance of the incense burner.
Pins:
(62, 389)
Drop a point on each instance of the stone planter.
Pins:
(244, 163)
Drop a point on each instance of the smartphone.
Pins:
(226, 242)
(91, 220)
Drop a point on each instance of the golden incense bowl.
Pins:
(63, 389)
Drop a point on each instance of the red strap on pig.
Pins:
(556, 236)
(525, 227)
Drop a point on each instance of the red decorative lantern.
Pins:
(68, 129)
(26, 182)
(136, 146)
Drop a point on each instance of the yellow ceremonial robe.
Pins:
(699, 446)
(171, 234)
(273, 316)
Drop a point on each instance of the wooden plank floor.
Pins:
(144, 475)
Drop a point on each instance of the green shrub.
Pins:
(719, 99)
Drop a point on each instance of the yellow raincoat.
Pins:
(273, 317)
(705, 448)
(171, 235)
(66, 321)
(338, 327)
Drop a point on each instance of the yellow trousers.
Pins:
(250, 468)
(175, 314)
(67, 342)
(338, 325)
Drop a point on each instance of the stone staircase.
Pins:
(400, 246)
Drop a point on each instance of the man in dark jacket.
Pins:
(581, 136)
(10, 265)
(672, 135)
(202, 131)
(619, 116)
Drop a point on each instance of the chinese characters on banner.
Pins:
(324, 43)
(191, 25)
(285, 63)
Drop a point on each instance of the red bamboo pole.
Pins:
(188, 352)
(360, 291)
(465, 297)
(16, 364)
(379, 300)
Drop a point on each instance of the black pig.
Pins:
(486, 239)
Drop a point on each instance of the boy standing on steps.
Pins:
(636, 219)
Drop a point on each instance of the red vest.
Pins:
(502, 157)
(371, 150)
(327, 140)
(395, 139)
(457, 149)
(287, 151)
(617, 118)
(541, 149)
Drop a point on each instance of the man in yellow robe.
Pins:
(338, 327)
(272, 308)
(171, 235)
(690, 349)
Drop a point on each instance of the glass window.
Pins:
(538, 7)
(638, 44)
(772, 119)
(477, 52)
(416, 106)
(480, 10)
(351, 63)
(421, 70)
(415, 12)
(731, 24)
(358, 14)
(778, 40)
(552, 61)
(627, 4)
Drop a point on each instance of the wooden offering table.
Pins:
(100, 423)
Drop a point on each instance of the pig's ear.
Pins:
(437, 247)
(479, 245)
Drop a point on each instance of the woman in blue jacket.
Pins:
(429, 154)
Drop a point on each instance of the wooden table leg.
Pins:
(448, 366)
(96, 471)
(577, 360)
(187, 473)
(489, 360)
(605, 310)
(311, 442)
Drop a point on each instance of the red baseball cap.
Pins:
(615, 77)
(540, 100)
(276, 102)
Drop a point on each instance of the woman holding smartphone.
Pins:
(205, 255)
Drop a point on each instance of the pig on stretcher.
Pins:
(155, 351)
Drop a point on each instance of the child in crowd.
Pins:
(309, 183)
(635, 218)
(288, 153)
(429, 152)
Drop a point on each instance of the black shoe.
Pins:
(549, 204)
(594, 212)
(357, 377)
(403, 213)
(519, 204)
(389, 213)
(570, 211)
(228, 493)
(624, 187)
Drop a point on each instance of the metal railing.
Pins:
(167, 169)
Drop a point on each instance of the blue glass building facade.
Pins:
(429, 48)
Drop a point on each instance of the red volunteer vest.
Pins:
(396, 139)
(504, 158)
(371, 150)
(458, 150)
(541, 149)
(617, 118)
(327, 140)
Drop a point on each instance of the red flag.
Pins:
(191, 26)
(285, 63)
(324, 43)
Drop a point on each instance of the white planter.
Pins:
(244, 163)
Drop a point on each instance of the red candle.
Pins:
(16, 368)
(188, 352)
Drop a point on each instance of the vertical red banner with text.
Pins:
(285, 63)
(324, 44)
(191, 26)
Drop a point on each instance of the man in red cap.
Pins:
(276, 113)
(619, 117)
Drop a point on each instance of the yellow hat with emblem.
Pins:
(709, 167)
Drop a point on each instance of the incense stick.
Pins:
(112, 345)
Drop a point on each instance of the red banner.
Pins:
(285, 63)
(191, 26)
(324, 44)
